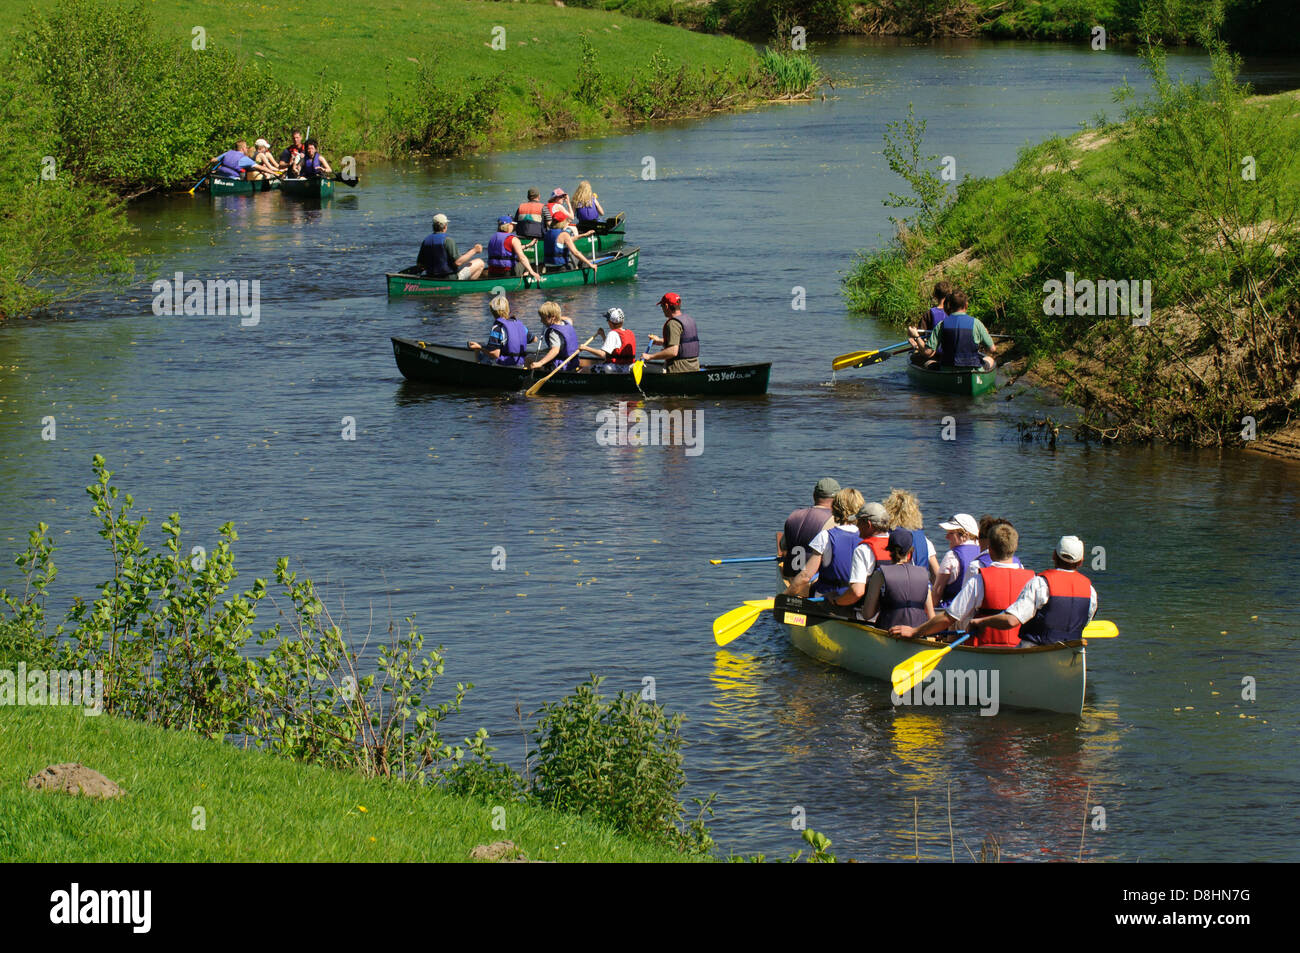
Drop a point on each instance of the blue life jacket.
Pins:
(557, 255)
(966, 553)
(1069, 596)
(936, 318)
(516, 345)
(987, 560)
(499, 253)
(957, 342)
(568, 344)
(434, 258)
(837, 561)
(689, 345)
(311, 166)
(229, 167)
(902, 595)
(920, 549)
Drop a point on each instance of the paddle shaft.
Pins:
(744, 559)
(532, 391)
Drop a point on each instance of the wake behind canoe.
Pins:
(459, 368)
(620, 268)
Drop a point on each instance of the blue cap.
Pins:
(505, 220)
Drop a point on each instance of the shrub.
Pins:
(618, 760)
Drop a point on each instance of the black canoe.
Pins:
(459, 367)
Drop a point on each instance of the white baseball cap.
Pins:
(440, 219)
(962, 521)
(1070, 548)
(263, 143)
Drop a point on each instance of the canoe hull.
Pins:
(458, 367)
(313, 188)
(241, 186)
(621, 268)
(965, 382)
(1044, 678)
(591, 246)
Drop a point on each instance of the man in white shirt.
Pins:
(1055, 605)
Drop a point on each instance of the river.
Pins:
(607, 547)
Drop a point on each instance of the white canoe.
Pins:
(1045, 677)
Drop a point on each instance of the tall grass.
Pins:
(790, 73)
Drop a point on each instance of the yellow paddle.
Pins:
(638, 367)
(911, 672)
(732, 625)
(863, 358)
(532, 391)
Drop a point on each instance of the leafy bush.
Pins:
(170, 641)
(618, 760)
(442, 118)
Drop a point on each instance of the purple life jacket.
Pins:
(966, 553)
(516, 346)
(833, 576)
(689, 345)
(902, 595)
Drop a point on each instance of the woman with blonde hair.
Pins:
(586, 207)
(903, 511)
(830, 556)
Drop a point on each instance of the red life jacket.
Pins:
(880, 546)
(627, 350)
(529, 208)
(1002, 586)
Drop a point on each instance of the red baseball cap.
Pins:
(559, 215)
(672, 298)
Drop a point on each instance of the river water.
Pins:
(607, 547)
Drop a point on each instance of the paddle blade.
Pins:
(1100, 629)
(638, 368)
(532, 391)
(851, 359)
(732, 625)
(910, 673)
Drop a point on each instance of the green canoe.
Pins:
(953, 380)
(591, 246)
(218, 186)
(312, 188)
(619, 267)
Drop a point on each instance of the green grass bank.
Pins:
(1192, 202)
(255, 807)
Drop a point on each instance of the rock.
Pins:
(73, 778)
(496, 851)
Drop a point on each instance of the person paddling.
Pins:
(898, 594)
(233, 163)
(560, 341)
(618, 350)
(1055, 605)
(961, 532)
(989, 590)
(265, 160)
(314, 164)
(586, 207)
(292, 155)
(959, 340)
(508, 340)
(505, 253)
(560, 250)
(438, 257)
(872, 549)
(530, 217)
(831, 551)
(680, 343)
(930, 320)
(801, 528)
